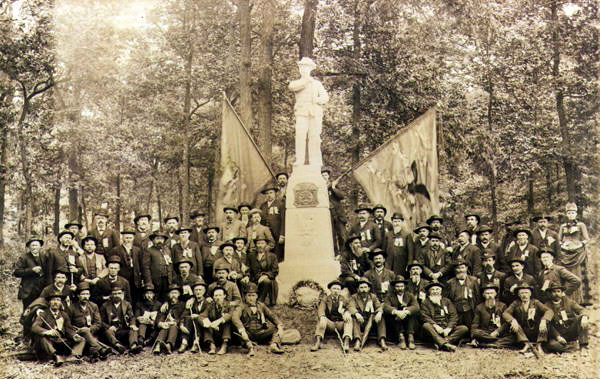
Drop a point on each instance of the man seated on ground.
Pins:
(354, 263)
(264, 268)
(569, 326)
(145, 314)
(402, 311)
(256, 323)
(85, 318)
(170, 322)
(334, 316)
(118, 322)
(216, 320)
(440, 320)
(232, 292)
(463, 291)
(194, 308)
(513, 280)
(488, 328)
(528, 319)
(366, 309)
(54, 336)
(553, 273)
(379, 276)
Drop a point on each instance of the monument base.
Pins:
(309, 251)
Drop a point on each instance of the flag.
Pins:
(242, 167)
(402, 174)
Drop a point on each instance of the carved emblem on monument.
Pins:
(305, 195)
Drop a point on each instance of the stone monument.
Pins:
(308, 235)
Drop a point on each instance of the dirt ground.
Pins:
(299, 361)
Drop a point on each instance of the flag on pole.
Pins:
(402, 174)
(243, 169)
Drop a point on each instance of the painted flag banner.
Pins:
(242, 167)
(402, 174)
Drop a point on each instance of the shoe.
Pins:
(213, 349)
(383, 345)
(147, 342)
(449, 347)
(135, 349)
(250, 349)
(402, 342)
(346, 344)
(537, 351)
(411, 342)
(223, 348)
(168, 348)
(317, 344)
(195, 348)
(58, 360)
(183, 347)
(275, 349)
(157, 347)
(120, 348)
(525, 348)
(357, 346)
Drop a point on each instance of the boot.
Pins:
(401, 342)
(357, 346)
(157, 347)
(58, 360)
(346, 345)
(411, 341)
(317, 344)
(183, 347)
(382, 344)
(135, 349)
(275, 349)
(449, 347)
(195, 347)
(525, 348)
(213, 349)
(168, 348)
(250, 349)
(120, 348)
(223, 348)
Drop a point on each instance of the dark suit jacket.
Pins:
(31, 283)
(494, 248)
(416, 290)
(515, 311)
(254, 232)
(46, 321)
(275, 217)
(268, 266)
(558, 323)
(400, 250)
(107, 241)
(122, 316)
(80, 317)
(208, 259)
(482, 319)
(377, 281)
(196, 251)
(556, 274)
(335, 205)
(435, 261)
(443, 315)
(370, 235)
(58, 260)
(104, 288)
(409, 303)
(133, 273)
(358, 305)
(549, 241)
(456, 293)
(198, 236)
(242, 315)
(384, 229)
(155, 266)
(472, 255)
(507, 295)
(176, 312)
(212, 313)
(352, 265)
(329, 307)
(529, 255)
(141, 241)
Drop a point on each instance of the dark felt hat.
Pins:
(397, 215)
(421, 226)
(34, 238)
(413, 264)
(211, 227)
(170, 217)
(435, 217)
(434, 283)
(363, 207)
(63, 232)
(380, 206)
(230, 208)
(185, 260)
(334, 282)
(484, 228)
(377, 251)
(227, 243)
(158, 233)
(83, 286)
(89, 238)
(184, 228)
(196, 213)
(398, 279)
(244, 205)
(142, 215)
(73, 223)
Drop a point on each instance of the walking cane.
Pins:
(196, 337)
(367, 331)
(60, 339)
(340, 339)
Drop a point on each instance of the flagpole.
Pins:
(249, 136)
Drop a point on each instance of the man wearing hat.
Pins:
(75, 227)
(59, 285)
(94, 264)
(468, 251)
(64, 258)
(569, 326)
(553, 273)
(379, 276)
(436, 222)
(264, 269)
(107, 239)
(485, 242)
(528, 319)
(489, 274)
(170, 322)
(232, 292)
(333, 316)
(437, 263)
(118, 321)
(366, 309)
(525, 250)
(472, 219)
(517, 276)
(440, 319)
(197, 218)
(184, 277)
(158, 265)
(146, 312)
(463, 291)
(194, 309)
(370, 234)
(54, 335)
(274, 213)
(185, 248)
(103, 288)
(416, 284)
(171, 228)
(142, 230)
(256, 230)
(353, 263)
(244, 209)
(402, 310)
(85, 318)
(216, 320)
(421, 241)
(131, 263)
(399, 246)
(488, 328)
(338, 215)
(231, 227)
(238, 271)
(384, 226)
(31, 268)
(256, 323)
(211, 251)
(541, 236)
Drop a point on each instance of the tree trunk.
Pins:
(159, 204)
(245, 64)
(265, 101)
(118, 207)
(530, 195)
(492, 170)
(57, 190)
(85, 210)
(7, 100)
(356, 114)
(150, 193)
(549, 185)
(567, 149)
(180, 192)
(307, 31)
(185, 190)
(209, 201)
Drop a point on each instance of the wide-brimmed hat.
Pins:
(434, 283)
(234, 239)
(435, 235)
(148, 287)
(475, 214)
(398, 279)
(34, 238)
(230, 208)
(463, 229)
(351, 239)
(63, 232)
(128, 230)
(380, 206)
(522, 229)
(83, 286)
(546, 250)
(413, 264)
(158, 233)
(269, 187)
(363, 207)
(211, 227)
(364, 280)
(434, 217)
(556, 286)
(334, 282)
(198, 282)
(377, 251)
(522, 286)
(284, 173)
(538, 217)
(484, 228)
(397, 216)
(171, 217)
(142, 215)
(244, 205)
(73, 223)
(251, 288)
(516, 259)
(422, 226)
(197, 213)
(114, 259)
(254, 211)
(89, 238)
(184, 260)
(187, 228)
(221, 266)
(174, 286)
(490, 286)
(227, 243)
(52, 294)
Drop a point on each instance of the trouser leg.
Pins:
(264, 290)
(91, 341)
(457, 333)
(437, 338)
(172, 334)
(381, 329)
(111, 337)
(322, 325)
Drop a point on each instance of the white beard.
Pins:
(436, 299)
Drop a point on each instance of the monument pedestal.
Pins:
(308, 236)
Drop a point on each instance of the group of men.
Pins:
(425, 285)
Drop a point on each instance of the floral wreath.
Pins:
(293, 300)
